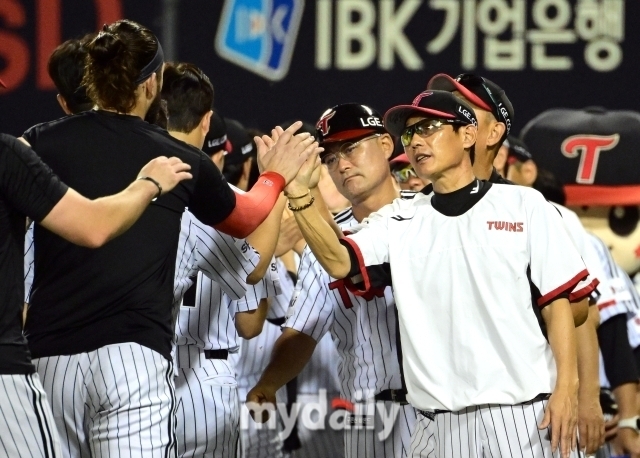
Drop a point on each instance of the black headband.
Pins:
(153, 66)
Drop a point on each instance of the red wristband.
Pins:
(273, 179)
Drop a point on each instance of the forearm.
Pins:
(626, 399)
(324, 210)
(250, 324)
(264, 239)
(322, 239)
(588, 359)
(92, 223)
(253, 207)
(289, 356)
(562, 339)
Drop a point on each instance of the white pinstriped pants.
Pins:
(26, 424)
(365, 443)
(208, 407)
(493, 431)
(117, 401)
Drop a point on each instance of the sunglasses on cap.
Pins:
(345, 150)
(405, 174)
(424, 128)
(470, 81)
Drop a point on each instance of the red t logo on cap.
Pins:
(323, 124)
(588, 147)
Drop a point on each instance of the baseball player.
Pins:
(29, 188)
(213, 311)
(97, 317)
(473, 259)
(495, 115)
(363, 327)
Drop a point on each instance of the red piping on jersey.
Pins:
(253, 207)
(562, 288)
(363, 270)
(602, 195)
(604, 305)
(577, 296)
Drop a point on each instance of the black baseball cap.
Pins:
(480, 91)
(431, 104)
(348, 121)
(216, 139)
(242, 145)
(518, 150)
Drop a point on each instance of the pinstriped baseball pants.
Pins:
(117, 401)
(26, 424)
(491, 431)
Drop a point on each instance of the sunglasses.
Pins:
(405, 174)
(470, 81)
(424, 128)
(344, 151)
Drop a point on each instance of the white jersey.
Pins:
(616, 288)
(28, 262)
(363, 327)
(206, 318)
(463, 290)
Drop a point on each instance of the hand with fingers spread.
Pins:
(167, 172)
(285, 152)
(561, 416)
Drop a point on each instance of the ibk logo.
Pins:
(588, 147)
(505, 226)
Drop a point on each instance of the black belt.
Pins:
(430, 414)
(216, 354)
(399, 396)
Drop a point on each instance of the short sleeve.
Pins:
(311, 310)
(555, 265)
(280, 303)
(224, 259)
(26, 182)
(212, 200)
(268, 287)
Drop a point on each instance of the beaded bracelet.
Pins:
(302, 207)
(154, 182)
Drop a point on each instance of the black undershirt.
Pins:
(459, 202)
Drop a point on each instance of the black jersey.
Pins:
(83, 299)
(27, 188)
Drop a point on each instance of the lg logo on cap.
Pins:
(464, 112)
(371, 121)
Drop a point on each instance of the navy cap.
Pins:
(348, 121)
(480, 91)
(216, 139)
(518, 150)
(431, 104)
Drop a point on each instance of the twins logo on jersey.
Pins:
(588, 147)
(260, 35)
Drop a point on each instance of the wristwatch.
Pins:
(633, 423)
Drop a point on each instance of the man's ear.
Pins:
(205, 122)
(496, 131)
(470, 133)
(386, 142)
(151, 87)
(63, 104)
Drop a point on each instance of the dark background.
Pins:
(29, 29)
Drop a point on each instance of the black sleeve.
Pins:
(26, 182)
(619, 360)
(212, 200)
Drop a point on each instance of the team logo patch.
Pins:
(505, 226)
(421, 96)
(588, 147)
(260, 35)
(323, 125)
